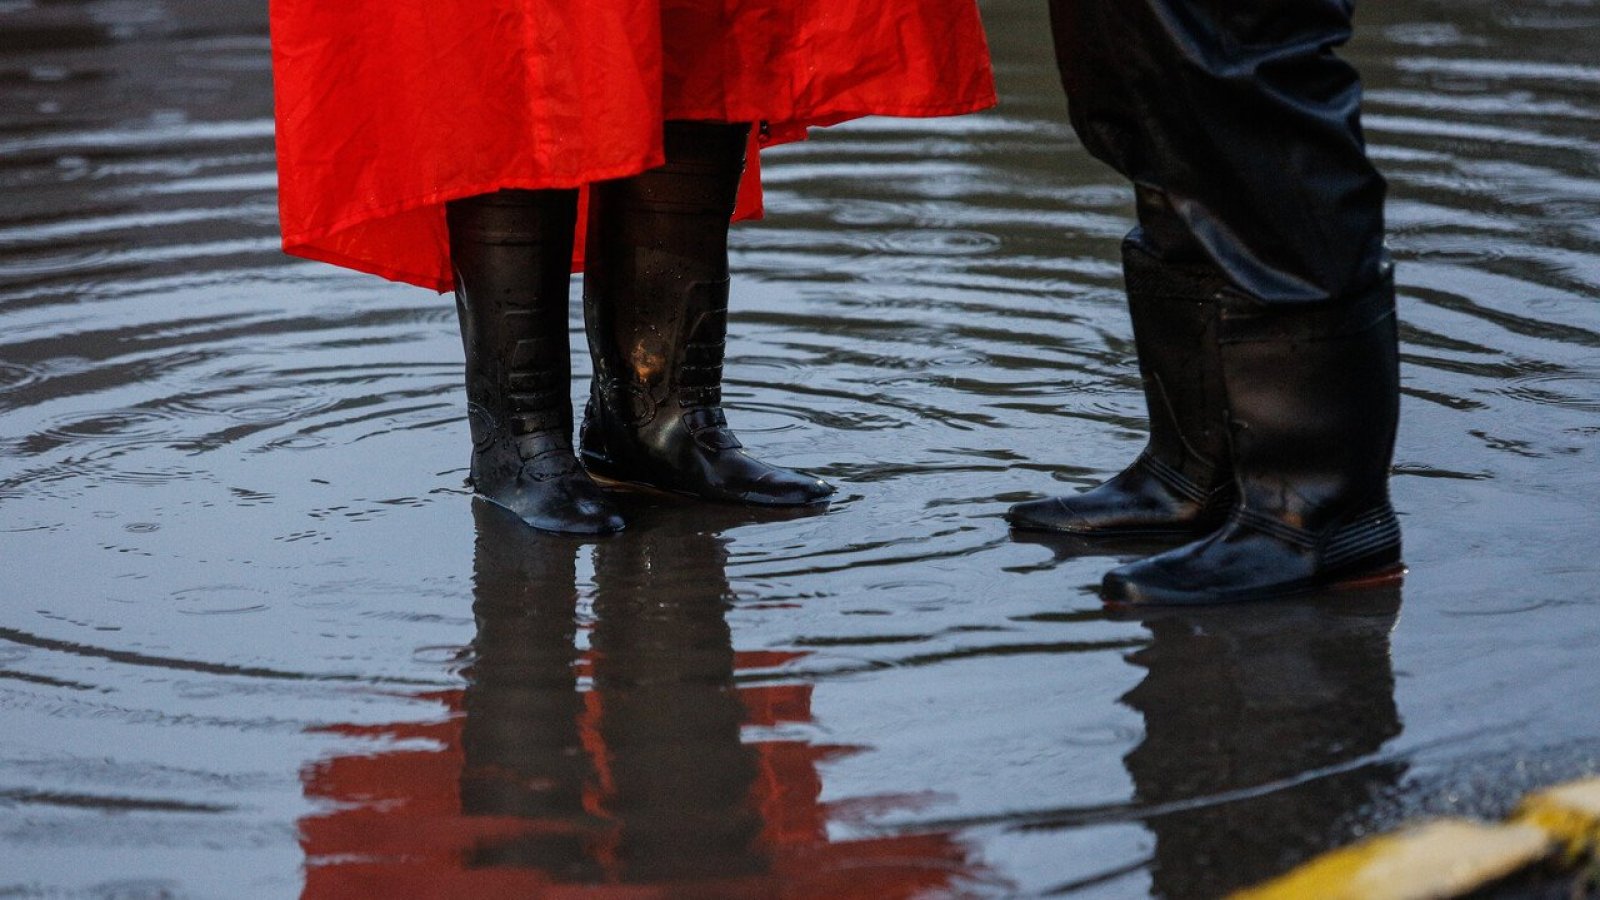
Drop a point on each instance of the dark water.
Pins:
(257, 640)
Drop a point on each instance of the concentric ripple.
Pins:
(258, 640)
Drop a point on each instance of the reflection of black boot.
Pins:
(656, 303)
(522, 748)
(1313, 400)
(1262, 736)
(680, 775)
(512, 253)
(1180, 484)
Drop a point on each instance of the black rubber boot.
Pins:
(656, 305)
(1313, 399)
(512, 253)
(1180, 484)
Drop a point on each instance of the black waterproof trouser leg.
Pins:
(1239, 129)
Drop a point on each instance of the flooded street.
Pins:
(257, 639)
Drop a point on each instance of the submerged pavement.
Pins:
(257, 639)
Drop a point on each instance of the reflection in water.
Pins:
(231, 509)
(1261, 729)
(621, 766)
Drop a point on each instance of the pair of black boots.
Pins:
(1271, 435)
(655, 306)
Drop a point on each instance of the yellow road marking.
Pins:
(1570, 814)
(1450, 857)
(1444, 858)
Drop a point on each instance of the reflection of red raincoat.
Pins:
(394, 824)
(388, 109)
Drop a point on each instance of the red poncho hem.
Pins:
(388, 109)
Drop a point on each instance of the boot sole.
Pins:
(601, 470)
(1389, 575)
(1114, 533)
(1197, 529)
(547, 529)
(611, 481)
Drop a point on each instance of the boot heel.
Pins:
(601, 468)
(1389, 576)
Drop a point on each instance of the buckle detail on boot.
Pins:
(538, 421)
(708, 425)
(628, 400)
(549, 465)
(482, 425)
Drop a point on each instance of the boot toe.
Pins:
(577, 518)
(783, 487)
(815, 490)
(1166, 579)
(1135, 585)
(1119, 587)
(610, 523)
(1049, 514)
(589, 511)
(567, 505)
(1236, 564)
(593, 517)
(575, 522)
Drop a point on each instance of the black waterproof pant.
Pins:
(1240, 130)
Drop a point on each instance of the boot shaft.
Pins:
(1174, 309)
(1181, 483)
(670, 221)
(1314, 406)
(512, 253)
(656, 279)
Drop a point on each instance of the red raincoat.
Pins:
(388, 109)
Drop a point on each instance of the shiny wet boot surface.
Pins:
(1181, 484)
(656, 307)
(1314, 403)
(512, 253)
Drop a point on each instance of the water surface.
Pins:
(257, 639)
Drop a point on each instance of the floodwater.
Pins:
(256, 638)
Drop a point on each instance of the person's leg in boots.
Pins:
(512, 253)
(1239, 128)
(656, 305)
(1181, 484)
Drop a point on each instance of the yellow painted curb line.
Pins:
(1570, 814)
(1449, 857)
(1439, 859)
